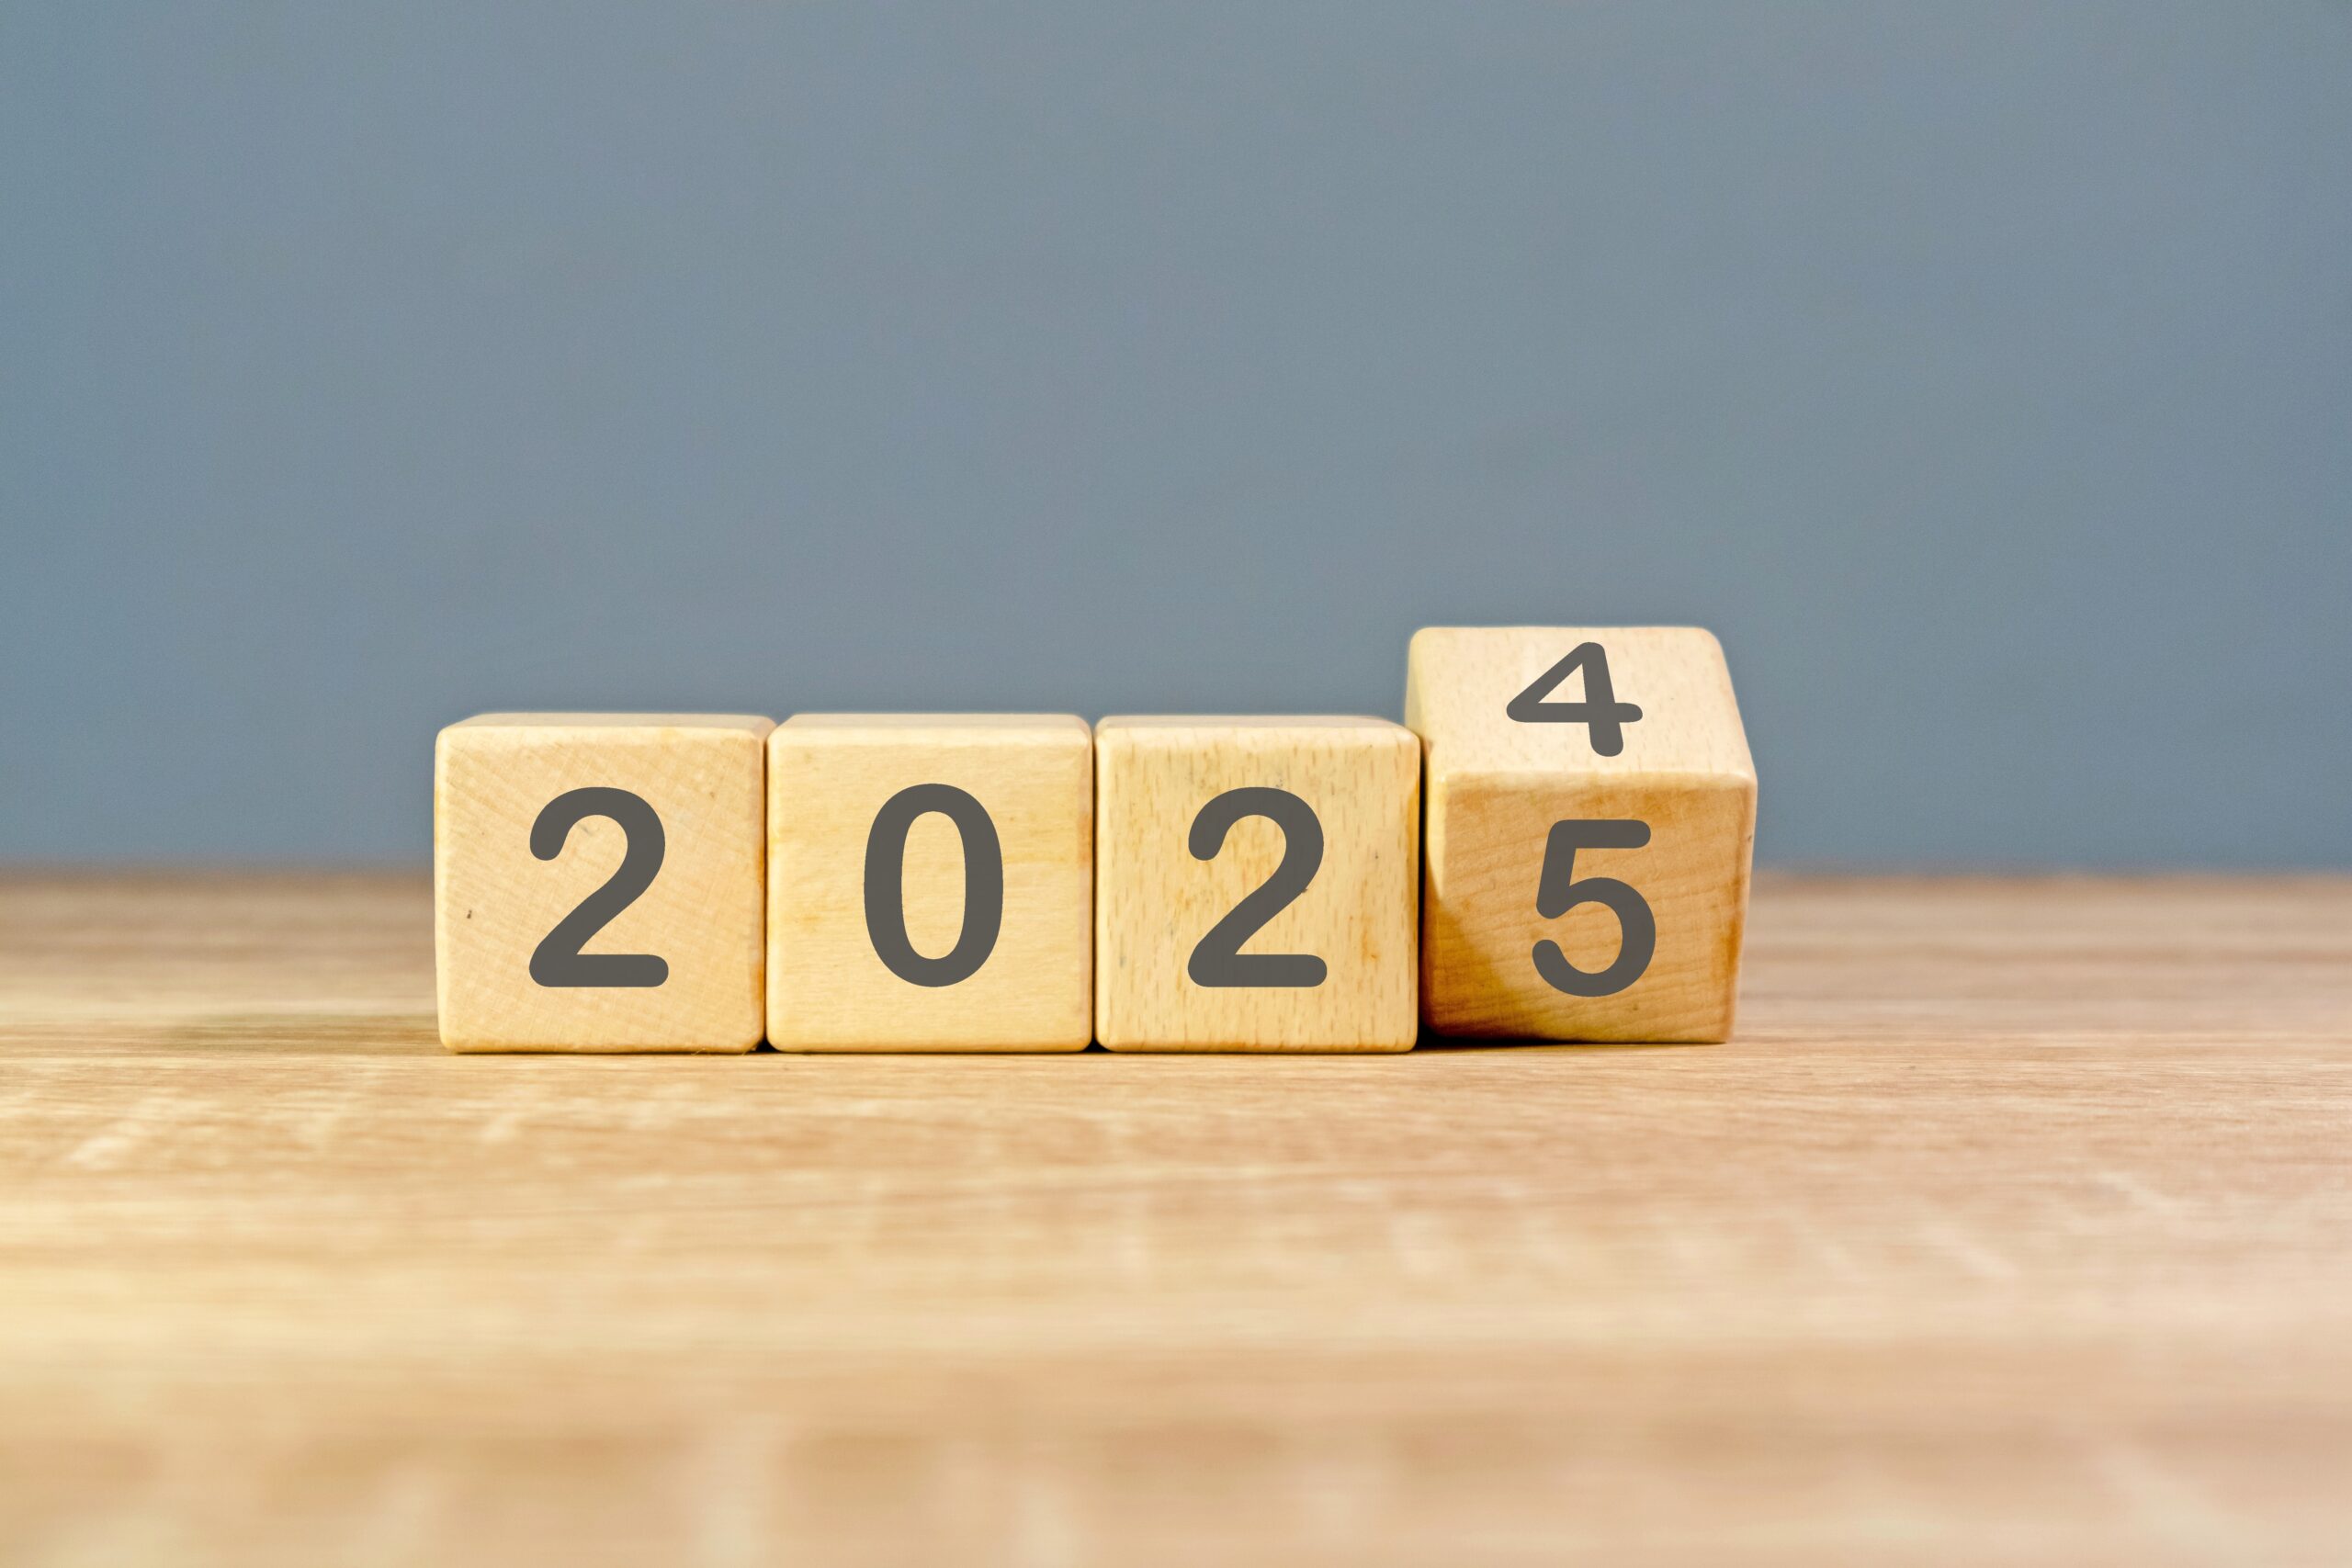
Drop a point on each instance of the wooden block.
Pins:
(1591, 812)
(597, 881)
(931, 882)
(1254, 884)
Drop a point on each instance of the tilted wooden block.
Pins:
(597, 881)
(1254, 884)
(1591, 811)
(931, 882)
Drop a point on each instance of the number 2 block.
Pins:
(1591, 812)
(597, 881)
(1254, 884)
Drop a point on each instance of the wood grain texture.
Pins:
(497, 901)
(1497, 785)
(829, 776)
(1154, 900)
(2015, 1224)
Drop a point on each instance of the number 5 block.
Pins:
(1254, 884)
(597, 881)
(1591, 811)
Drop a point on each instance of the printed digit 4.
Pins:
(1600, 709)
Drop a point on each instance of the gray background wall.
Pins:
(1981, 374)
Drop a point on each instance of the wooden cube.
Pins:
(1254, 884)
(597, 881)
(1591, 813)
(931, 882)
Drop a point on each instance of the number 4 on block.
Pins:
(598, 880)
(1591, 809)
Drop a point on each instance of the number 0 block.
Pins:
(1254, 884)
(931, 882)
(597, 881)
(1591, 813)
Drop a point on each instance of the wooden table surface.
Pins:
(2014, 1225)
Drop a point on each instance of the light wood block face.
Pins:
(880, 895)
(1499, 787)
(1172, 867)
(686, 948)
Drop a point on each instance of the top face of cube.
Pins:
(1179, 731)
(535, 726)
(1623, 701)
(931, 728)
